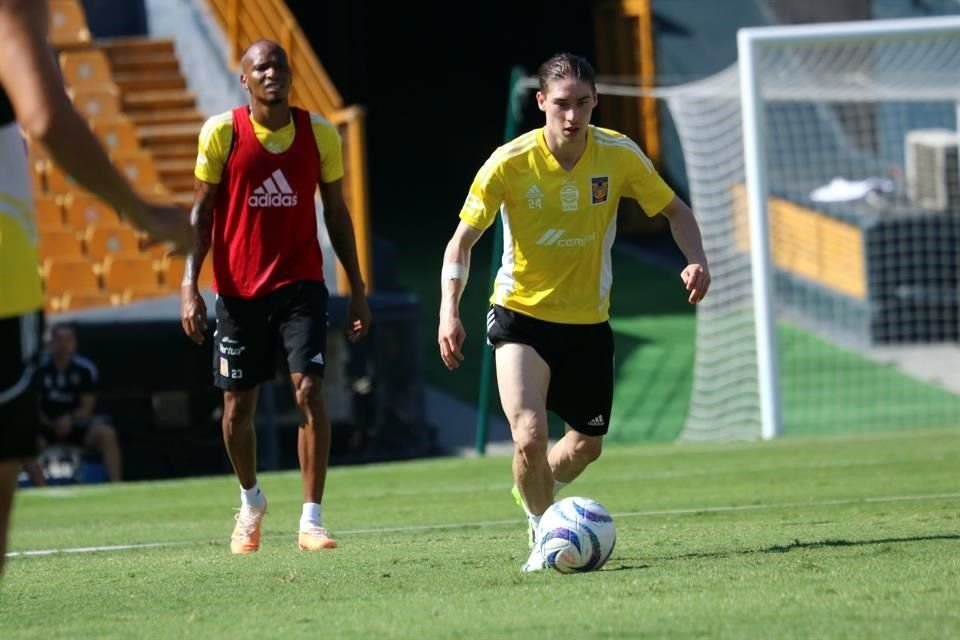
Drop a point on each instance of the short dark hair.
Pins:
(563, 65)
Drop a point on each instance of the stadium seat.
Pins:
(83, 209)
(55, 180)
(48, 212)
(38, 176)
(60, 243)
(206, 274)
(118, 134)
(100, 102)
(139, 169)
(130, 272)
(85, 68)
(68, 24)
(35, 150)
(68, 274)
(136, 295)
(102, 241)
(157, 253)
(171, 272)
(84, 299)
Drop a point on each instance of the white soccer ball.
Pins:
(575, 535)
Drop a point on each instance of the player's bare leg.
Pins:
(9, 469)
(240, 439)
(523, 379)
(313, 447)
(572, 454)
(239, 435)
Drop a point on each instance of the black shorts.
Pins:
(249, 330)
(19, 402)
(580, 357)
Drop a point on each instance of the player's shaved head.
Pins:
(265, 73)
(260, 48)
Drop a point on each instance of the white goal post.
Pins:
(800, 39)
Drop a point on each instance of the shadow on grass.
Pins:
(786, 548)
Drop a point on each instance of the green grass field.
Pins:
(816, 537)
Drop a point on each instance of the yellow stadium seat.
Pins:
(60, 243)
(68, 274)
(68, 24)
(84, 299)
(118, 134)
(84, 68)
(135, 273)
(96, 102)
(83, 209)
(48, 211)
(102, 241)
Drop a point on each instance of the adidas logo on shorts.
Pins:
(596, 422)
(274, 192)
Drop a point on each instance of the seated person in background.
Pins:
(66, 382)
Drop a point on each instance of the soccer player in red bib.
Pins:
(257, 170)
(556, 190)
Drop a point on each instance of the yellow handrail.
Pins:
(245, 22)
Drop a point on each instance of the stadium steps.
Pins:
(135, 82)
(183, 198)
(145, 63)
(173, 151)
(169, 134)
(181, 182)
(179, 170)
(168, 116)
(130, 45)
(156, 98)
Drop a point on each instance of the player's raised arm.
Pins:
(453, 280)
(686, 233)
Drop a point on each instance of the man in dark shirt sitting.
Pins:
(67, 382)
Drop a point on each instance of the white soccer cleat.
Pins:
(536, 562)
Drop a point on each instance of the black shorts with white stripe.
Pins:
(19, 406)
(580, 357)
(251, 331)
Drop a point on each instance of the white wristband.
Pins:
(454, 271)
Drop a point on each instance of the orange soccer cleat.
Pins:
(246, 533)
(314, 538)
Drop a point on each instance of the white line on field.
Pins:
(500, 523)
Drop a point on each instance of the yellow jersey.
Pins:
(216, 136)
(20, 290)
(559, 225)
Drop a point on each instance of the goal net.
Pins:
(834, 308)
